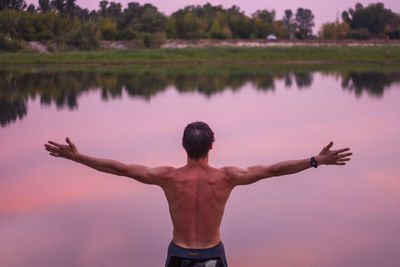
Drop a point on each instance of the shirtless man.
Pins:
(197, 193)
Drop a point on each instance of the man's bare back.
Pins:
(197, 193)
(196, 196)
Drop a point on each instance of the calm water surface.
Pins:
(57, 213)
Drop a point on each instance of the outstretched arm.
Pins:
(242, 176)
(138, 172)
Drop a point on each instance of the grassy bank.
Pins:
(217, 55)
(167, 69)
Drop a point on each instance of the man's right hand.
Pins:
(333, 157)
(65, 151)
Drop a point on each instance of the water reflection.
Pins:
(374, 83)
(11, 110)
(63, 87)
(57, 213)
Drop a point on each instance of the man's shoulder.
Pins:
(232, 173)
(232, 170)
(162, 171)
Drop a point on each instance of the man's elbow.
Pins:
(273, 171)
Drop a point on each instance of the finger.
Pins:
(345, 155)
(54, 155)
(343, 159)
(57, 148)
(342, 150)
(70, 143)
(55, 144)
(328, 146)
(50, 146)
(340, 163)
(52, 149)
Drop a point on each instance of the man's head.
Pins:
(197, 139)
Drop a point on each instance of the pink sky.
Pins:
(323, 10)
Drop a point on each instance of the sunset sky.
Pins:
(323, 10)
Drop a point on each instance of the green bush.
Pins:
(359, 34)
(394, 34)
(15, 25)
(44, 35)
(109, 34)
(328, 31)
(153, 40)
(6, 44)
(218, 35)
(126, 34)
(84, 38)
(196, 35)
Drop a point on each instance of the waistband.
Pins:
(196, 253)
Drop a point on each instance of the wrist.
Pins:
(76, 157)
(319, 160)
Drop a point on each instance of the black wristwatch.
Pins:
(313, 162)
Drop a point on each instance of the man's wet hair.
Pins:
(197, 139)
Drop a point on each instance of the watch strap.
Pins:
(313, 162)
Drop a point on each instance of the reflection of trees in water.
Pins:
(265, 82)
(10, 110)
(288, 80)
(302, 79)
(205, 83)
(373, 83)
(63, 88)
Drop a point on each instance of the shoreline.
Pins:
(210, 62)
(212, 55)
(180, 43)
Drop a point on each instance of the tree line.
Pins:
(70, 25)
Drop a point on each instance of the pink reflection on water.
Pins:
(62, 214)
(53, 188)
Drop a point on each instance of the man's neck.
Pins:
(201, 162)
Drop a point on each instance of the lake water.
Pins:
(54, 212)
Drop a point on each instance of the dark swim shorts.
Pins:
(194, 257)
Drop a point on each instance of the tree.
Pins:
(152, 20)
(44, 5)
(280, 30)
(103, 8)
(108, 28)
(216, 30)
(15, 25)
(58, 5)
(70, 7)
(114, 9)
(304, 23)
(81, 13)
(289, 23)
(31, 8)
(239, 24)
(134, 10)
(12, 4)
(261, 29)
(263, 22)
(186, 25)
(265, 15)
(374, 17)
